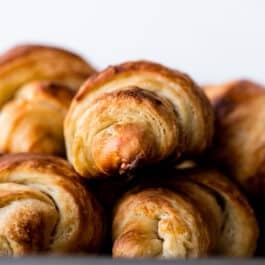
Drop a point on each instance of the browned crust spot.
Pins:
(133, 92)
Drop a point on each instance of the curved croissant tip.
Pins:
(120, 152)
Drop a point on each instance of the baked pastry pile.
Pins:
(165, 158)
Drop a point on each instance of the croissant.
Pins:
(32, 121)
(26, 63)
(187, 214)
(45, 207)
(135, 114)
(239, 145)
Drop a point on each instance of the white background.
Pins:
(212, 40)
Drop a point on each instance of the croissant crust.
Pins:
(26, 63)
(45, 207)
(185, 213)
(32, 121)
(134, 114)
(239, 144)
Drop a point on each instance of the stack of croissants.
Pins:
(136, 160)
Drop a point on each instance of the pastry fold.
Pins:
(239, 145)
(32, 121)
(46, 208)
(26, 63)
(134, 114)
(185, 214)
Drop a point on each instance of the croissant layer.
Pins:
(32, 121)
(37, 84)
(26, 63)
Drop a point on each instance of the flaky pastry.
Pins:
(186, 214)
(32, 121)
(239, 145)
(46, 208)
(26, 63)
(134, 114)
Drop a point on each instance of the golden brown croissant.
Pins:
(189, 213)
(134, 114)
(32, 121)
(26, 63)
(45, 207)
(240, 140)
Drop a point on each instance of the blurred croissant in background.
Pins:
(32, 120)
(239, 144)
(37, 84)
